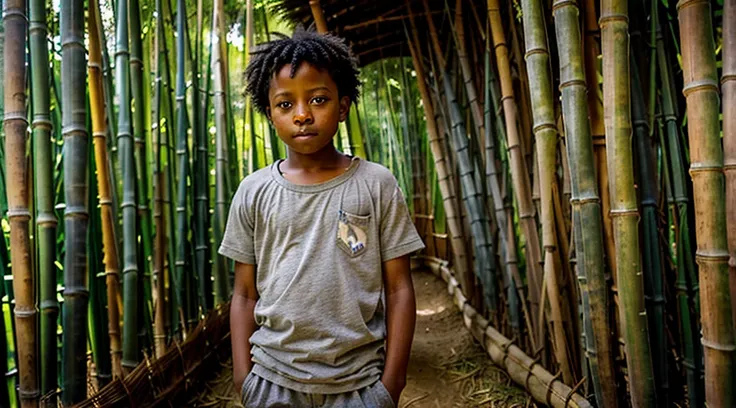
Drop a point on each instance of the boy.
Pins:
(321, 243)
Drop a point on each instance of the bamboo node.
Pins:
(8, 13)
(571, 82)
(624, 213)
(46, 218)
(75, 292)
(711, 257)
(38, 26)
(68, 130)
(718, 346)
(611, 18)
(23, 213)
(728, 77)
(558, 4)
(696, 168)
(16, 115)
(688, 3)
(543, 126)
(705, 84)
(534, 51)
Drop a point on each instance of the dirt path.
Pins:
(447, 368)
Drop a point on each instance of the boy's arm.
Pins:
(400, 320)
(242, 321)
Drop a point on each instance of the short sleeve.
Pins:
(237, 242)
(398, 235)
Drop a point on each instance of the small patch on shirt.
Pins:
(351, 231)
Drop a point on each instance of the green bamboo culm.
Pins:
(76, 213)
(545, 131)
(686, 283)
(15, 123)
(624, 212)
(651, 252)
(182, 279)
(46, 221)
(585, 201)
(706, 171)
(139, 110)
(221, 153)
(128, 205)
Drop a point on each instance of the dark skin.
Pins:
(305, 111)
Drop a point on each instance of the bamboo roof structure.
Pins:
(374, 29)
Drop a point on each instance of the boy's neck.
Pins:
(328, 158)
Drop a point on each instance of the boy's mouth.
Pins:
(304, 134)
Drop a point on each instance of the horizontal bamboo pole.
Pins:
(543, 386)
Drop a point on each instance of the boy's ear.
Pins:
(344, 108)
(268, 113)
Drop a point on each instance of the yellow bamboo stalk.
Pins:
(99, 135)
(319, 17)
(706, 171)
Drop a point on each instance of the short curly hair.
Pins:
(323, 51)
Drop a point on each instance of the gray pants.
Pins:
(261, 393)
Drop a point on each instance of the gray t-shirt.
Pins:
(318, 251)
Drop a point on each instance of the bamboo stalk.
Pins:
(159, 287)
(15, 125)
(447, 187)
(585, 202)
(686, 284)
(219, 67)
(545, 131)
(128, 205)
(46, 221)
(140, 135)
(706, 171)
(181, 277)
(319, 17)
(473, 202)
(76, 214)
(624, 212)
(519, 173)
(99, 134)
(728, 88)
(651, 253)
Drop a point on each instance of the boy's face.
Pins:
(306, 109)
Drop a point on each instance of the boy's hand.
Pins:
(394, 387)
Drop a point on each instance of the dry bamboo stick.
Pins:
(728, 88)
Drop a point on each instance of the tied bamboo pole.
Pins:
(76, 214)
(585, 202)
(519, 173)
(545, 131)
(46, 221)
(15, 124)
(728, 88)
(706, 171)
(99, 137)
(624, 212)
(448, 189)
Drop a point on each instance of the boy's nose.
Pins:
(303, 117)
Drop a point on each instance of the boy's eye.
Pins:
(284, 105)
(319, 100)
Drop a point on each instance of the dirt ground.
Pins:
(447, 368)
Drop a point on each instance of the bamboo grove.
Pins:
(573, 160)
